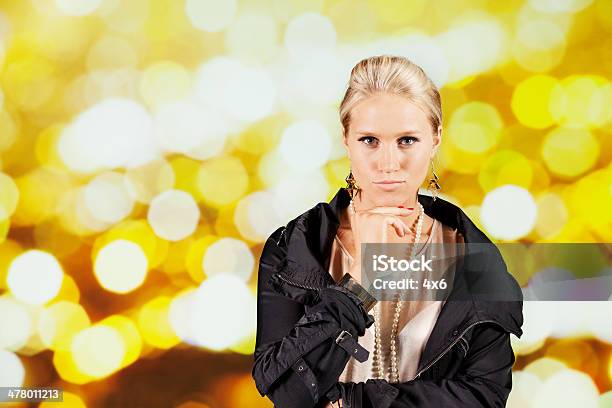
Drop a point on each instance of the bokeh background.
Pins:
(149, 147)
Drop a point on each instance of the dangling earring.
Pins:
(434, 186)
(351, 187)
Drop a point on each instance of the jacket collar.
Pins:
(309, 239)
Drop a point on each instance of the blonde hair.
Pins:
(395, 75)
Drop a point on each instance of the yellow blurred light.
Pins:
(173, 215)
(570, 152)
(225, 303)
(46, 146)
(30, 81)
(251, 95)
(77, 8)
(246, 346)
(541, 179)
(228, 256)
(253, 217)
(508, 212)
(65, 365)
(69, 291)
(272, 168)
(121, 266)
(84, 218)
(35, 277)
(180, 313)
(396, 12)
(13, 371)
(580, 101)
(505, 167)
(107, 198)
(259, 138)
(52, 237)
(139, 232)
(16, 323)
(9, 250)
(463, 60)
(111, 52)
(163, 82)
(568, 388)
(460, 161)
(174, 262)
(610, 367)
(222, 181)
(594, 213)
(114, 132)
(130, 336)
(210, 15)
(545, 367)
(552, 215)
(539, 46)
(68, 214)
(110, 350)
(195, 257)
(69, 400)
(9, 196)
(252, 36)
(186, 174)
(524, 386)
(179, 129)
(577, 354)
(154, 323)
(60, 322)
(9, 128)
(531, 101)
(40, 192)
(305, 146)
(475, 127)
(309, 35)
(5, 225)
(147, 181)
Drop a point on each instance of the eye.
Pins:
(408, 140)
(368, 140)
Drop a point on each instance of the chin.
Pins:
(389, 198)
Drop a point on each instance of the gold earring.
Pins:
(434, 186)
(351, 185)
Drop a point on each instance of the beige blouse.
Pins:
(417, 318)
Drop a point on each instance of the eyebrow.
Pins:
(405, 132)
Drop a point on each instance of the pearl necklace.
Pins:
(377, 360)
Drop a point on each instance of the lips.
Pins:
(389, 182)
(388, 185)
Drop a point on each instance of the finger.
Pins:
(400, 228)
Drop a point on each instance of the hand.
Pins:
(334, 404)
(373, 226)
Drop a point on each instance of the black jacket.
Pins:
(466, 361)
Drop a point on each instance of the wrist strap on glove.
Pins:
(346, 340)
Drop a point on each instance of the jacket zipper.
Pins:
(299, 285)
(446, 350)
(281, 236)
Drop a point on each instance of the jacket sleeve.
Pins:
(484, 379)
(297, 360)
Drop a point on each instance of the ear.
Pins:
(345, 143)
(437, 140)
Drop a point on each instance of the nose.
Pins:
(389, 159)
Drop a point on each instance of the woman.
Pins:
(316, 342)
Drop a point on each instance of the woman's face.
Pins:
(390, 144)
